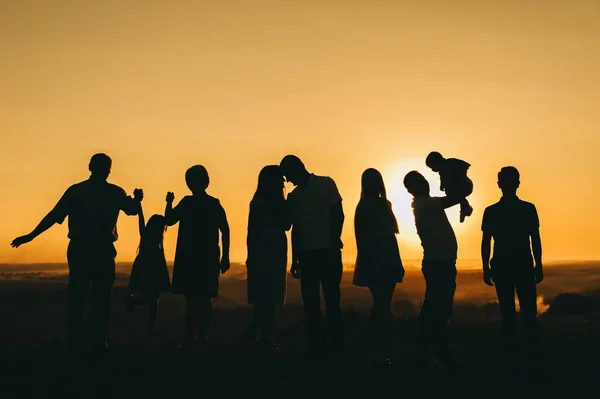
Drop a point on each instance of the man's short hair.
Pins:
(414, 180)
(291, 162)
(197, 178)
(509, 177)
(100, 162)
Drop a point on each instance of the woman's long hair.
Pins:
(270, 186)
(154, 234)
(373, 188)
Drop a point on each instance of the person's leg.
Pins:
(425, 320)
(191, 316)
(381, 317)
(445, 287)
(252, 329)
(78, 291)
(103, 278)
(527, 294)
(268, 313)
(505, 289)
(331, 278)
(311, 297)
(204, 318)
(153, 311)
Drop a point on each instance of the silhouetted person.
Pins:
(93, 208)
(198, 258)
(514, 226)
(453, 179)
(149, 274)
(378, 263)
(439, 269)
(317, 219)
(268, 222)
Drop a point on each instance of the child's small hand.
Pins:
(138, 194)
(170, 197)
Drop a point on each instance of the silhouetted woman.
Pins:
(149, 275)
(378, 264)
(267, 253)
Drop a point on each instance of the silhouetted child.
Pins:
(198, 260)
(149, 275)
(453, 178)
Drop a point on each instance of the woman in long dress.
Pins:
(266, 263)
(378, 265)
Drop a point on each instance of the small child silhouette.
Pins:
(149, 275)
(453, 178)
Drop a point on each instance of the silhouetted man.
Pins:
(514, 226)
(439, 270)
(93, 208)
(317, 219)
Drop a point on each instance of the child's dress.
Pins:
(149, 274)
(378, 261)
(196, 268)
(267, 254)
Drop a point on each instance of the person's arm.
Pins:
(56, 215)
(536, 247)
(250, 234)
(295, 269)
(171, 214)
(486, 248)
(449, 201)
(131, 205)
(225, 239)
(141, 221)
(359, 227)
(337, 224)
(333, 197)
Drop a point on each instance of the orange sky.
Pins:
(346, 85)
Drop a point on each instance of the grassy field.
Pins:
(32, 306)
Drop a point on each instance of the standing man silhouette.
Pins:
(440, 249)
(93, 208)
(317, 216)
(514, 226)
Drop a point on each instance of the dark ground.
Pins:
(34, 363)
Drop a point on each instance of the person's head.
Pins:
(372, 185)
(154, 232)
(434, 161)
(197, 179)
(416, 184)
(270, 183)
(293, 169)
(100, 166)
(509, 180)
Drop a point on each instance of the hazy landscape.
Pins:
(32, 305)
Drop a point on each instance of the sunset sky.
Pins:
(345, 85)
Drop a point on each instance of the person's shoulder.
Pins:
(77, 186)
(212, 200)
(457, 162)
(323, 179)
(527, 206)
(116, 189)
(493, 207)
